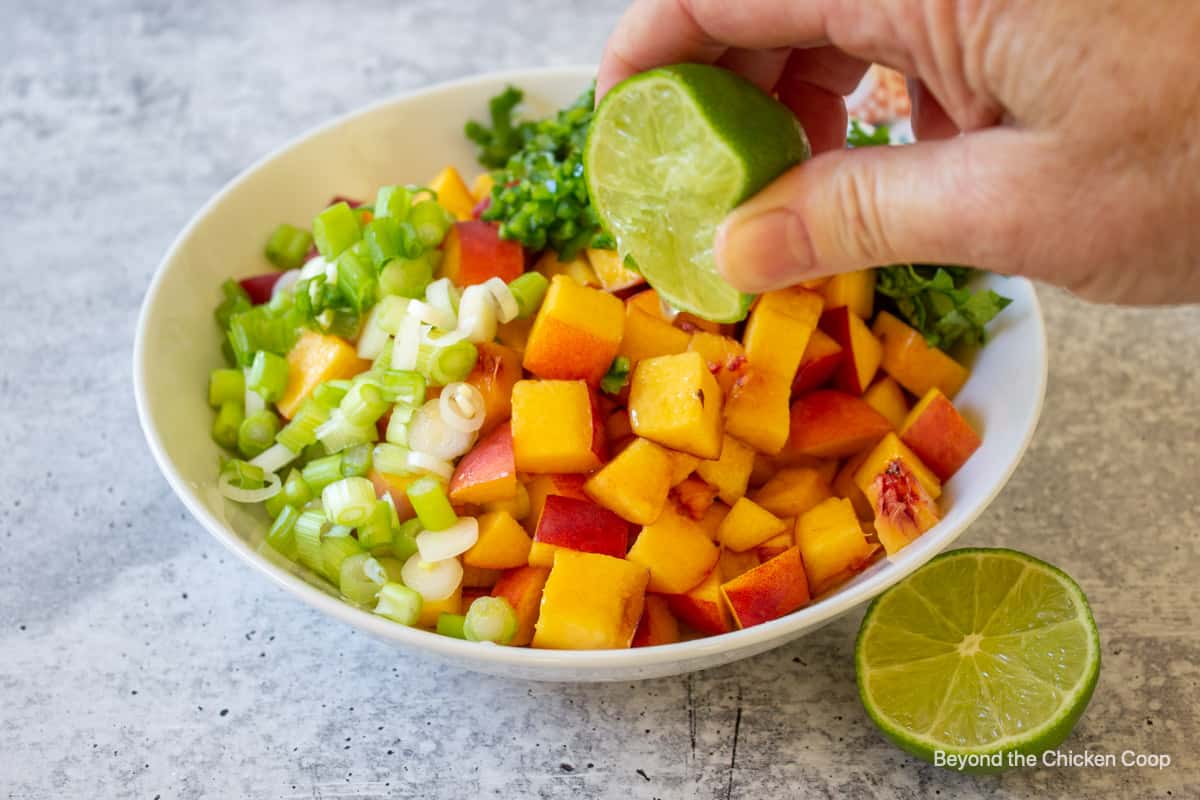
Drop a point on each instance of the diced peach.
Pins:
(575, 334)
(496, 373)
(694, 497)
(522, 588)
(747, 525)
(590, 602)
(890, 449)
(756, 410)
(764, 469)
(475, 578)
(453, 194)
(682, 465)
(554, 428)
(768, 591)
(844, 486)
(861, 351)
(854, 290)
(939, 435)
(481, 187)
(617, 427)
(474, 252)
(732, 563)
(676, 551)
(488, 472)
(886, 397)
(832, 424)
(777, 543)
(646, 336)
(792, 491)
(314, 359)
(675, 401)
(831, 542)
(395, 486)
(542, 486)
(471, 593)
(577, 269)
(778, 330)
(703, 607)
(819, 362)
(502, 543)
(613, 275)
(430, 611)
(730, 473)
(710, 523)
(658, 625)
(570, 524)
(647, 301)
(915, 365)
(515, 333)
(516, 506)
(725, 357)
(635, 484)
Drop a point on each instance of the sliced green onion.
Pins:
(393, 201)
(287, 247)
(275, 458)
(407, 277)
(399, 603)
(400, 386)
(377, 531)
(429, 501)
(260, 329)
(335, 229)
(257, 433)
(228, 421)
(360, 578)
(443, 365)
(398, 425)
(490, 619)
(356, 280)
(477, 317)
(243, 474)
(335, 550)
(234, 300)
(404, 543)
(450, 542)
(431, 222)
(507, 308)
(382, 238)
(226, 386)
(356, 461)
(363, 404)
(307, 533)
(443, 295)
(274, 505)
(302, 430)
(435, 580)
(392, 568)
(617, 376)
(338, 432)
(280, 535)
(296, 490)
(330, 393)
(321, 472)
(349, 501)
(451, 625)
(529, 290)
(391, 459)
(268, 376)
(246, 483)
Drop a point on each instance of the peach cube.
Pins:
(733, 563)
(590, 602)
(502, 543)
(658, 625)
(703, 607)
(554, 427)
(314, 359)
(646, 336)
(522, 588)
(756, 411)
(792, 491)
(779, 328)
(854, 290)
(832, 424)
(768, 591)
(832, 544)
(730, 473)
(676, 551)
(675, 401)
(453, 194)
(915, 365)
(886, 397)
(576, 333)
(635, 484)
(938, 434)
(613, 275)
(725, 357)
(496, 373)
(747, 525)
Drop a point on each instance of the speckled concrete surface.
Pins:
(138, 660)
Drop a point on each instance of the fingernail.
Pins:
(763, 251)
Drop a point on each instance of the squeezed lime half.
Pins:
(979, 654)
(670, 153)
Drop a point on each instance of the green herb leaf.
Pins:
(498, 143)
(617, 376)
(936, 302)
(858, 136)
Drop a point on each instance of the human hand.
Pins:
(1079, 162)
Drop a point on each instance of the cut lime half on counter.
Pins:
(670, 153)
(980, 652)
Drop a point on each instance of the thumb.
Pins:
(959, 201)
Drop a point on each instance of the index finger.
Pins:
(653, 33)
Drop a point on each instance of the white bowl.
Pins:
(407, 139)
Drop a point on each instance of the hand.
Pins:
(1079, 162)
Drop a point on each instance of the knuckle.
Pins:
(858, 225)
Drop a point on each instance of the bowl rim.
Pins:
(521, 658)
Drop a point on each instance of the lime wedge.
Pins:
(978, 656)
(671, 151)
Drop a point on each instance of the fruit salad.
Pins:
(463, 433)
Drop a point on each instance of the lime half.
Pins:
(979, 655)
(671, 151)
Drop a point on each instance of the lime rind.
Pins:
(1012, 691)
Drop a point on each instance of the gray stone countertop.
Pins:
(139, 659)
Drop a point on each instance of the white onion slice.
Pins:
(437, 317)
(312, 268)
(331, 272)
(429, 433)
(455, 540)
(462, 407)
(373, 570)
(477, 314)
(274, 458)
(424, 462)
(444, 339)
(253, 400)
(407, 344)
(374, 338)
(286, 281)
(389, 312)
(443, 295)
(506, 305)
(435, 580)
(240, 495)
